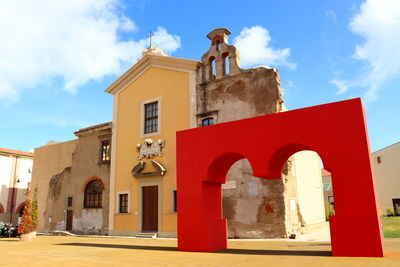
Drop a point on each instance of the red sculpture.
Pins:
(336, 131)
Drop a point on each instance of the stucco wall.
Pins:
(6, 163)
(48, 161)
(387, 175)
(15, 172)
(309, 187)
(171, 87)
(61, 171)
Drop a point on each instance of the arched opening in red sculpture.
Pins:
(308, 192)
(270, 208)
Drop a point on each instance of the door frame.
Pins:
(66, 220)
(149, 182)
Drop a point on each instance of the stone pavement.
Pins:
(101, 251)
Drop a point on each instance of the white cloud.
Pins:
(331, 14)
(253, 44)
(341, 84)
(74, 40)
(378, 22)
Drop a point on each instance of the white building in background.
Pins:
(15, 177)
(386, 162)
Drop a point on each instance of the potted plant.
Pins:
(27, 228)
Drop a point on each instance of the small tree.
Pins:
(35, 208)
(30, 214)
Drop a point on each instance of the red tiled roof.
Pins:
(325, 172)
(15, 152)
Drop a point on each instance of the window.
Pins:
(151, 117)
(175, 201)
(105, 151)
(123, 203)
(69, 202)
(327, 187)
(207, 121)
(379, 160)
(93, 195)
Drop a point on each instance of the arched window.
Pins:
(93, 195)
(225, 58)
(1, 208)
(218, 45)
(20, 209)
(213, 67)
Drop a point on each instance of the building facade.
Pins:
(15, 177)
(73, 182)
(160, 95)
(152, 100)
(328, 193)
(387, 178)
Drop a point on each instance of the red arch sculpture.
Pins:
(336, 131)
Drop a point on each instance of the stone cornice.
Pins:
(147, 61)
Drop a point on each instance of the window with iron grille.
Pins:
(93, 195)
(69, 202)
(123, 203)
(207, 121)
(151, 117)
(105, 150)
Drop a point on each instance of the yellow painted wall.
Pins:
(173, 87)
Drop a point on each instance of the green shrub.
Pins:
(330, 211)
(389, 212)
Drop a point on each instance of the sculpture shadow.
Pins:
(224, 251)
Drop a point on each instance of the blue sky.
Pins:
(58, 57)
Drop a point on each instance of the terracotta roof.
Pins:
(325, 172)
(15, 152)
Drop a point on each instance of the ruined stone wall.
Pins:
(61, 171)
(49, 160)
(86, 164)
(254, 207)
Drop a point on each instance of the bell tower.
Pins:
(221, 59)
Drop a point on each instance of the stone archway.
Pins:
(336, 131)
(20, 209)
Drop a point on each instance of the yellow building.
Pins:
(152, 100)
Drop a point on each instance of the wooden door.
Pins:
(150, 208)
(69, 220)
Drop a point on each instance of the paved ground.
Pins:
(89, 251)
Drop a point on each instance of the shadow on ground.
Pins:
(224, 251)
